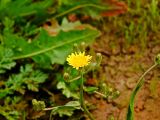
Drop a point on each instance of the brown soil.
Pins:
(122, 66)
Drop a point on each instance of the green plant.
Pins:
(66, 109)
(18, 9)
(45, 47)
(153, 9)
(130, 113)
(5, 61)
(72, 83)
(31, 50)
(8, 109)
(28, 78)
(139, 24)
(79, 61)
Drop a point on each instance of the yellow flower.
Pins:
(78, 60)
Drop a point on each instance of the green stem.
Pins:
(78, 7)
(130, 114)
(82, 99)
(149, 69)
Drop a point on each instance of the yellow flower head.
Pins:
(78, 60)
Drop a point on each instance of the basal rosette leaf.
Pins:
(20, 8)
(45, 49)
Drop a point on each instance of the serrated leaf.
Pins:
(8, 111)
(28, 78)
(9, 115)
(46, 50)
(6, 63)
(67, 109)
(66, 90)
(55, 28)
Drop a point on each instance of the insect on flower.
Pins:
(77, 60)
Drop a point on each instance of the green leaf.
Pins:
(66, 25)
(8, 110)
(66, 90)
(92, 8)
(130, 113)
(20, 8)
(67, 109)
(90, 89)
(6, 63)
(8, 23)
(28, 78)
(9, 115)
(46, 50)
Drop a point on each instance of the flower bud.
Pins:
(83, 46)
(66, 76)
(75, 47)
(158, 59)
(38, 105)
(115, 94)
(110, 89)
(34, 101)
(98, 58)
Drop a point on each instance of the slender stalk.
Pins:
(149, 69)
(130, 113)
(51, 108)
(74, 79)
(82, 99)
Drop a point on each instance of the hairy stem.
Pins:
(82, 99)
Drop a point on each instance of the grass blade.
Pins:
(130, 113)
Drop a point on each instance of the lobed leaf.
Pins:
(67, 109)
(66, 90)
(45, 49)
(26, 79)
(6, 63)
